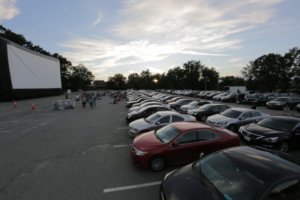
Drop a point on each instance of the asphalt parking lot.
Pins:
(72, 154)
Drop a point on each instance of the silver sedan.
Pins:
(233, 118)
(156, 121)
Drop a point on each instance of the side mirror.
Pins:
(175, 144)
(157, 123)
(242, 118)
(201, 155)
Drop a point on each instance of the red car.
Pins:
(179, 143)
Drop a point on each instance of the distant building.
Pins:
(99, 84)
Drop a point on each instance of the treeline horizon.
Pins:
(270, 72)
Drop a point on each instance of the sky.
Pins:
(129, 36)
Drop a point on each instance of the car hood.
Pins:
(140, 124)
(260, 130)
(146, 141)
(220, 118)
(132, 113)
(187, 107)
(134, 108)
(183, 184)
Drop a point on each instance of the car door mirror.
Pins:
(175, 144)
(201, 155)
(157, 123)
(242, 118)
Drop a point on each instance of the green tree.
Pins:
(192, 71)
(268, 73)
(133, 81)
(80, 77)
(117, 82)
(231, 81)
(175, 78)
(209, 78)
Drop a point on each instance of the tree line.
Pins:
(270, 72)
(72, 77)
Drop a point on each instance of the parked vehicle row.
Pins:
(225, 170)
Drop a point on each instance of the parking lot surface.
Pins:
(72, 154)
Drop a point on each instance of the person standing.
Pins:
(91, 101)
(83, 100)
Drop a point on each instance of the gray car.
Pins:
(233, 118)
(156, 121)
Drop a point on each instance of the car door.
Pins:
(245, 118)
(162, 122)
(180, 150)
(191, 144)
(176, 118)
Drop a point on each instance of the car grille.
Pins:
(251, 135)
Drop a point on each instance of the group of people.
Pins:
(89, 98)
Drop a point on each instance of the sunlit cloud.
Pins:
(98, 19)
(8, 9)
(153, 30)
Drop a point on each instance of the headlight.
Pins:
(267, 103)
(139, 152)
(271, 139)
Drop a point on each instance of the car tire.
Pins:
(232, 128)
(203, 118)
(157, 163)
(284, 146)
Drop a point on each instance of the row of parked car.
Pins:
(271, 100)
(167, 131)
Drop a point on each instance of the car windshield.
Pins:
(193, 103)
(282, 99)
(167, 133)
(205, 107)
(278, 124)
(231, 180)
(232, 113)
(152, 118)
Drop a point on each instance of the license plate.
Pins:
(247, 138)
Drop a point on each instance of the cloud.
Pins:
(153, 30)
(235, 60)
(8, 9)
(98, 19)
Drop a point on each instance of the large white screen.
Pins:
(31, 71)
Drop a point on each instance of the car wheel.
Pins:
(232, 128)
(203, 118)
(284, 146)
(157, 164)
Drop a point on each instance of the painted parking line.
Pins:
(130, 187)
(120, 128)
(121, 145)
(2, 132)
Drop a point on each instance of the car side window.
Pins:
(176, 118)
(289, 190)
(188, 138)
(256, 114)
(164, 120)
(223, 108)
(204, 135)
(215, 109)
(246, 115)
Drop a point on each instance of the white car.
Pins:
(156, 121)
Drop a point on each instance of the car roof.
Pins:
(185, 126)
(287, 118)
(266, 164)
(243, 109)
(167, 112)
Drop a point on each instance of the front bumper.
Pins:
(142, 161)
